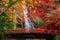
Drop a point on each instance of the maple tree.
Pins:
(43, 13)
(44, 10)
(8, 11)
(47, 11)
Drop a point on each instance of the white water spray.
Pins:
(28, 24)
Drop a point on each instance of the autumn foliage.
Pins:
(47, 11)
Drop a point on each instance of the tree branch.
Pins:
(9, 6)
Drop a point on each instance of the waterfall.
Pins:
(28, 24)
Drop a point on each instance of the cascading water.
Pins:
(28, 24)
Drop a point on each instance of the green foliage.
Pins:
(4, 22)
(57, 37)
(39, 22)
(57, 1)
(4, 25)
